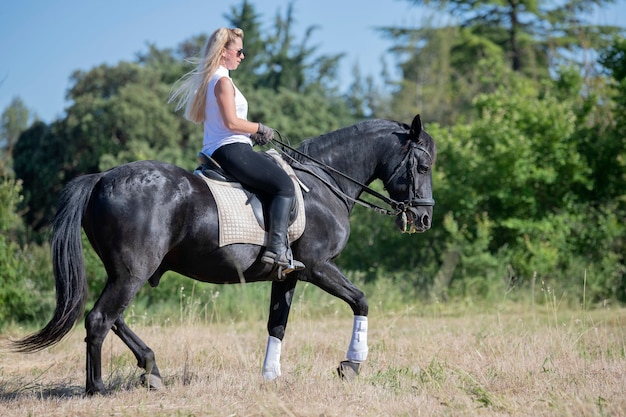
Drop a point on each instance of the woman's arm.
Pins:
(225, 95)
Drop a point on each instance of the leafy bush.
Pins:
(22, 298)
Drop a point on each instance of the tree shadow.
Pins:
(20, 388)
(13, 392)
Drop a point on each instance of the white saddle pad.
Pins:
(237, 223)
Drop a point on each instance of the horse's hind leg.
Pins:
(145, 355)
(113, 301)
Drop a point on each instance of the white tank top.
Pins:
(215, 132)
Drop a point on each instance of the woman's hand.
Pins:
(263, 136)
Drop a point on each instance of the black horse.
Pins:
(145, 218)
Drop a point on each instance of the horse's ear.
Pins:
(416, 126)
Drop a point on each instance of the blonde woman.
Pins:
(210, 96)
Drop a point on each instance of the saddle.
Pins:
(237, 205)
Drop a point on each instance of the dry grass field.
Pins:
(502, 361)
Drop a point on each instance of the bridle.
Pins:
(410, 160)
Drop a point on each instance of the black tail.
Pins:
(68, 264)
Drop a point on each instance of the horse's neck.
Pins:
(353, 152)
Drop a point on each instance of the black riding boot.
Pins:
(278, 251)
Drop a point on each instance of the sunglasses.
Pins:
(239, 52)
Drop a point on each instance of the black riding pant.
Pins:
(255, 170)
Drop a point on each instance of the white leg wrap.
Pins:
(357, 351)
(271, 364)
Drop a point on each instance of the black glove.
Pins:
(263, 135)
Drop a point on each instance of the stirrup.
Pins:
(285, 265)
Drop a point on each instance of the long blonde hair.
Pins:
(190, 90)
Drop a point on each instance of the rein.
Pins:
(397, 206)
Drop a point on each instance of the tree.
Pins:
(39, 159)
(445, 66)
(254, 63)
(298, 116)
(276, 60)
(363, 98)
(114, 109)
(530, 30)
(443, 70)
(287, 84)
(15, 120)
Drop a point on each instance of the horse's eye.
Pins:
(423, 169)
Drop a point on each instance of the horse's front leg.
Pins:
(357, 350)
(282, 296)
(329, 278)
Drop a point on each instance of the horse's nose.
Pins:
(425, 220)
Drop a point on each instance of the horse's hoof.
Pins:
(91, 392)
(151, 381)
(95, 388)
(271, 373)
(347, 370)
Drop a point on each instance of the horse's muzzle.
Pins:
(414, 220)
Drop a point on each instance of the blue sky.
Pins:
(42, 41)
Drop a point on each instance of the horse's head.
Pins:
(409, 180)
